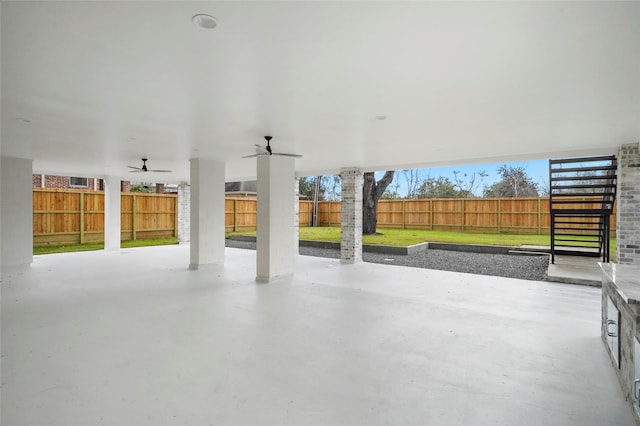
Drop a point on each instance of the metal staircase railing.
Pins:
(582, 193)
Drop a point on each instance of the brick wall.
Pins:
(351, 217)
(58, 182)
(64, 182)
(184, 200)
(628, 216)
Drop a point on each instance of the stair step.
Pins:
(583, 159)
(581, 200)
(583, 169)
(574, 178)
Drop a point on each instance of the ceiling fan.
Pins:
(144, 169)
(266, 150)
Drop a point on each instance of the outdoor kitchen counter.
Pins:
(625, 279)
(621, 327)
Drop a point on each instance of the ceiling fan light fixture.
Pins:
(205, 21)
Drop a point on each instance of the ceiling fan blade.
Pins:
(250, 156)
(287, 155)
(135, 168)
(160, 171)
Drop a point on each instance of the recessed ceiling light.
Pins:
(381, 117)
(23, 120)
(204, 21)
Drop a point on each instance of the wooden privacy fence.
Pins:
(496, 215)
(241, 214)
(71, 216)
(77, 217)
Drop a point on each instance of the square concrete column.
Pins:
(276, 209)
(16, 222)
(112, 193)
(207, 222)
(628, 215)
(351, 222)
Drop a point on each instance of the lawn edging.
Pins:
(403, 250)
(473, 248)
(372, 248)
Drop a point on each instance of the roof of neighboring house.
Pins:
(246, 186)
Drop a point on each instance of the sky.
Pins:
(538, 170)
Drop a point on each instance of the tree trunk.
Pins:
(371, 193)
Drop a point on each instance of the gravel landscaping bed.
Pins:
(500, 265)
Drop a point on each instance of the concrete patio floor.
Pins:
(571, 269)
(135, 338)
(576, 270)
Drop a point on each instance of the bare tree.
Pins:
(467, 184)
(544, 188)
(307, 188)
(412, 177)
(392, 192)
(515, 183)
(332, 184)
(371, 193)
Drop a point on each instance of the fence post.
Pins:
(462, 215)
(499, 216)
(329, 220)
(133, 216)
(82, 218)
(539, 218)
(404, 221)
(431, 214)
(235, 215)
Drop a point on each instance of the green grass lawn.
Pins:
(100, 246)
(394, 237)
(406, 237)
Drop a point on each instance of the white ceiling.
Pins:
(91, 87)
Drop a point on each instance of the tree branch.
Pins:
(382, 184)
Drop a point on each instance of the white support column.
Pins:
(296, 216)
(351, 222)
(112, 235)
(207, 213)
(16, 222)
(628, 215)
(276, 227)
